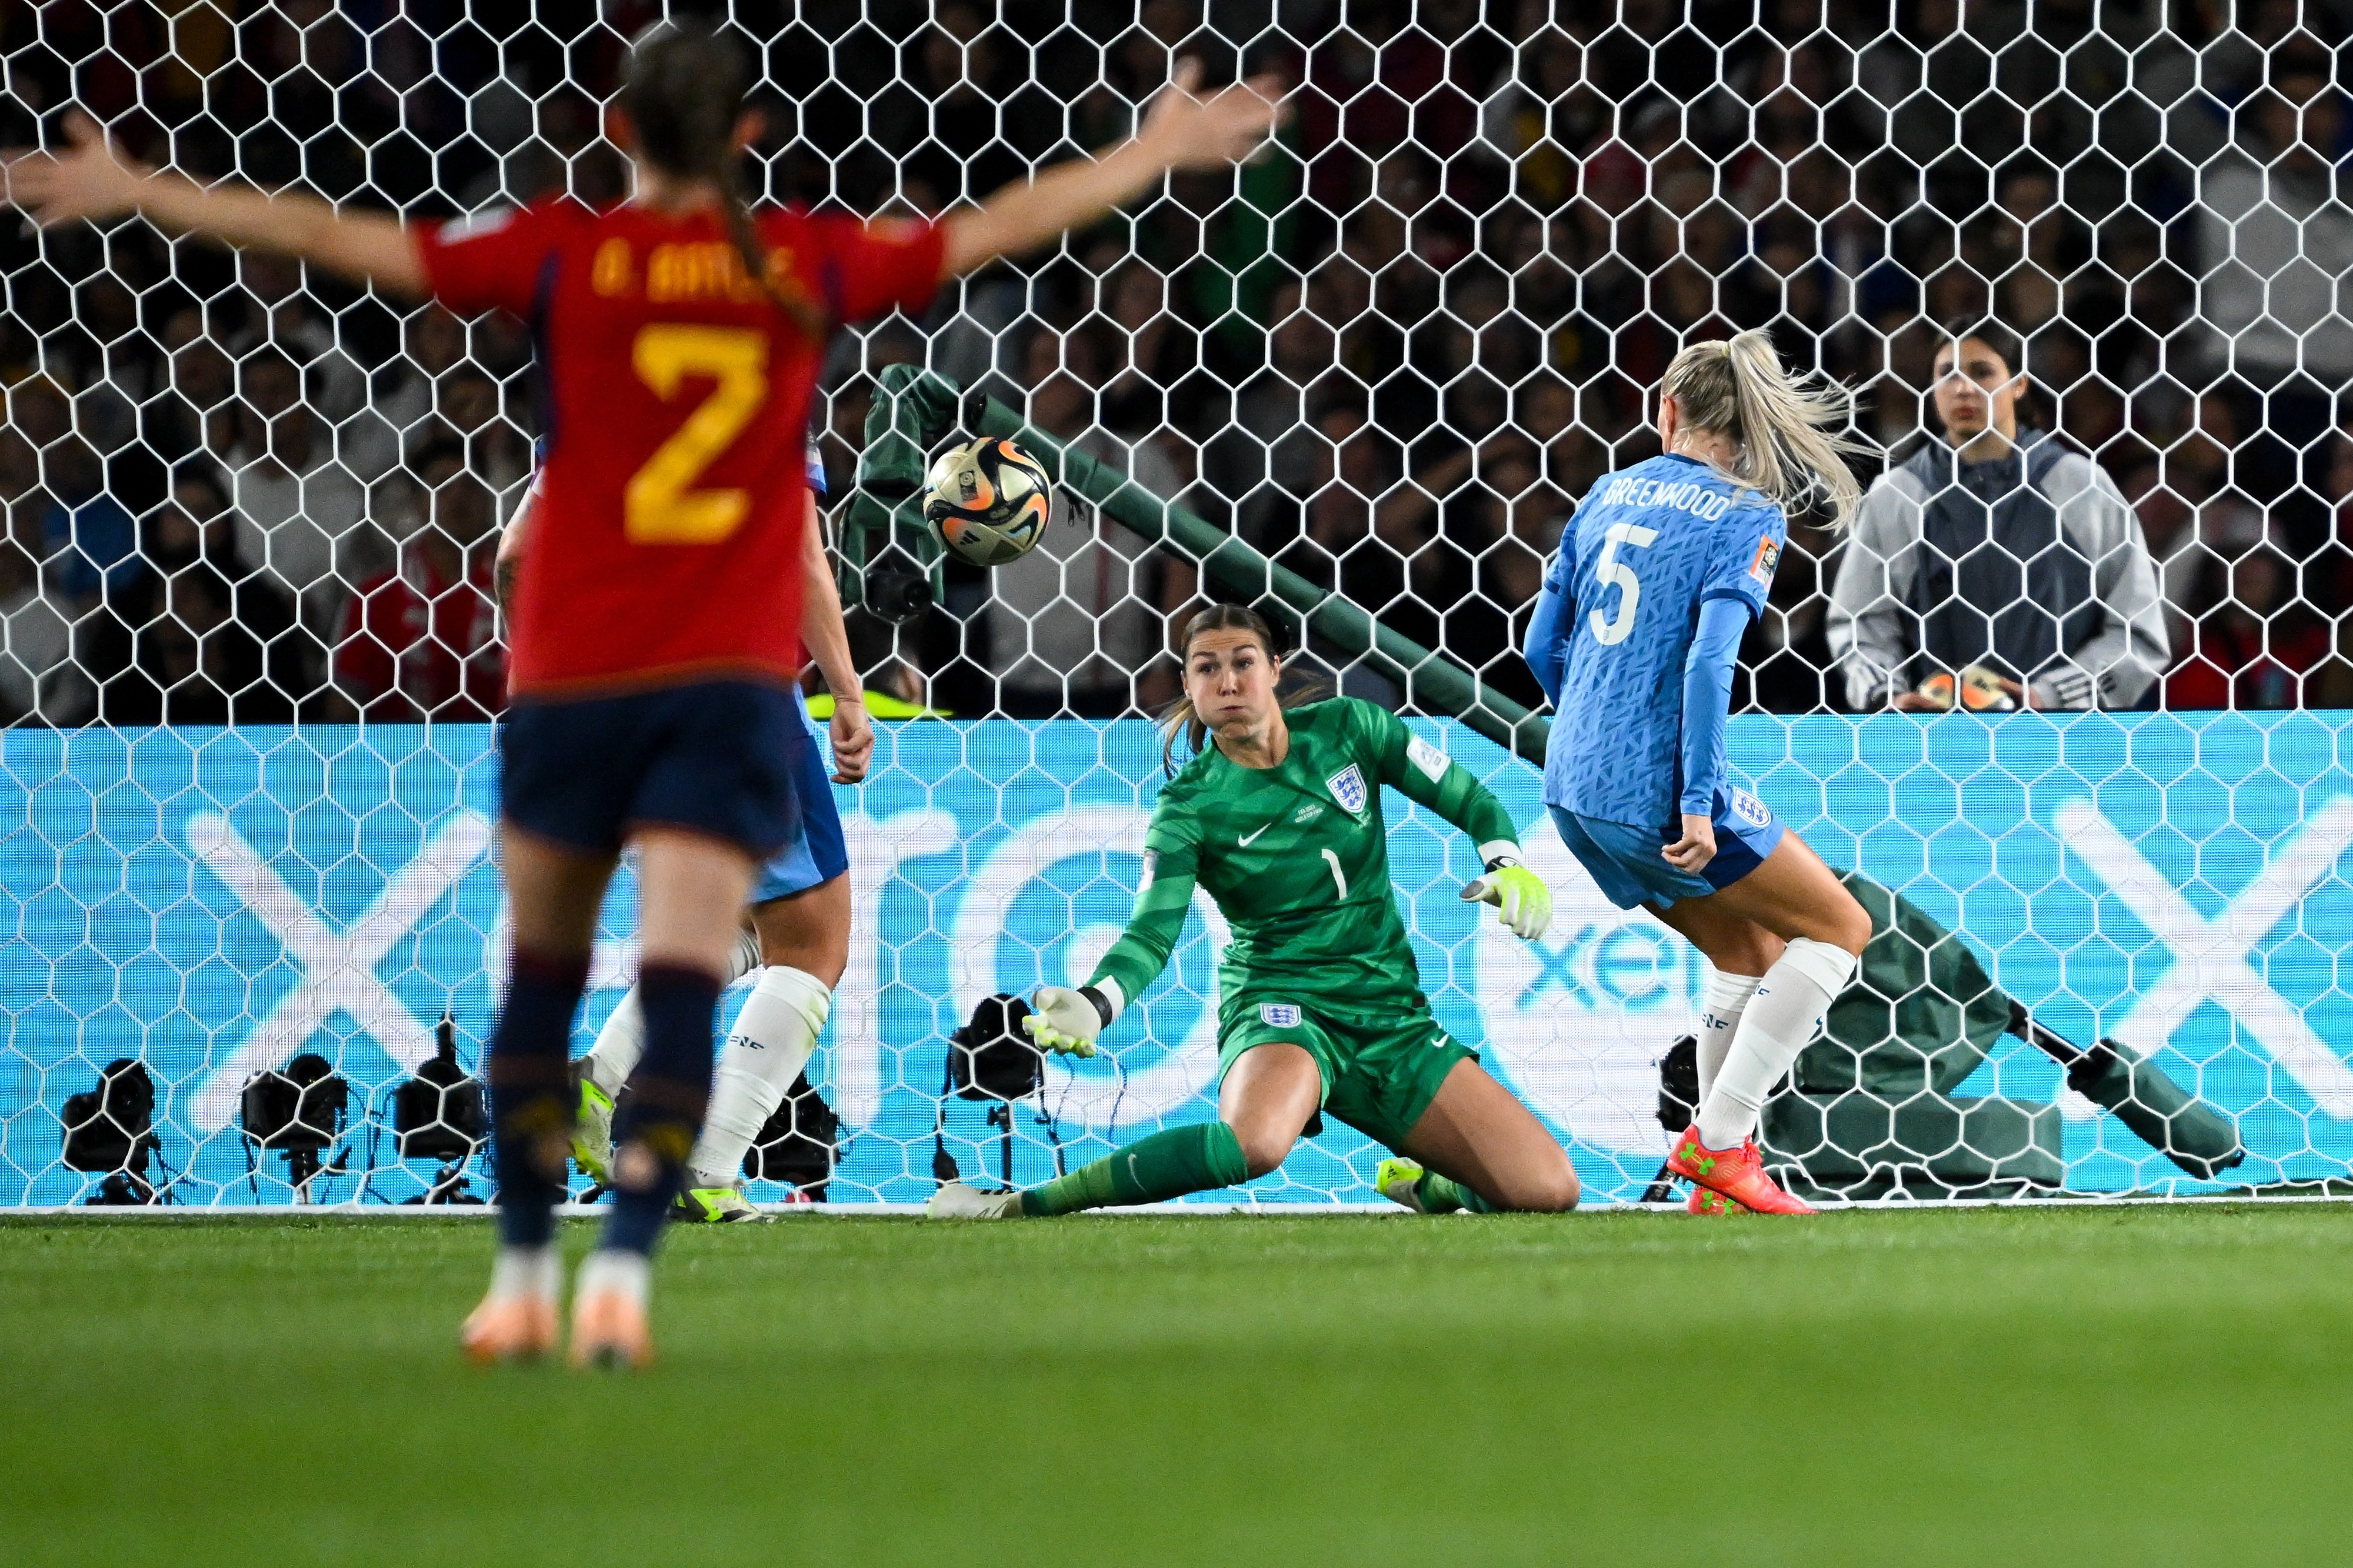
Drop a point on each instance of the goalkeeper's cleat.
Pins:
(1738, 1174)
(1400, 1181)
(714, 1205)
(954, 1200)
(608, 1331)
(511, 1328)
(592, 1126)
(1707, 1201)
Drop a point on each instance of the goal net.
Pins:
(249, 922)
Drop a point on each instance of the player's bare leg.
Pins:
(690, 892)
(1477, 1140)
(553, 891)
(1793, 898)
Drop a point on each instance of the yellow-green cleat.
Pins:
(592, 1126)
(714, 1205)
(1400, 1181)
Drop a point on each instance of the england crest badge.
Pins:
(1347, 788)
(1280, 1014)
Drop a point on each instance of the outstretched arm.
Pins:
(1181, 131)
(828, 638)
(1066, 1020)
(1428, 776)
(91, 180)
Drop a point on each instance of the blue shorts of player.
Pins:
(1625, 863)
(819, 853)
(714, 758)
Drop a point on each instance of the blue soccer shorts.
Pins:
(714, 757)
(1625, 863)
(818, 852)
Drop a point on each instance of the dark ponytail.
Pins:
(683, 88)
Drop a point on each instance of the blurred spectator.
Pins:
(2254, 648)
(89, 538)
(1996, 546)
(294, 501)
(420, 640)
(2275, 237)
(39, 682)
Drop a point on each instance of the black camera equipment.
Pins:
(110, 1129)
(799, 1144)
(438, 1113)
(897, 587)
(298, 1112)
(1678, 1103)
(990, 1058)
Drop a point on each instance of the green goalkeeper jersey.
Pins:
(1296, 856)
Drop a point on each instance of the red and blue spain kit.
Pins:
(656, 619)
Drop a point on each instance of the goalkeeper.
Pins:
(1320, 1008)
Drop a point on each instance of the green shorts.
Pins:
(1380, 1069)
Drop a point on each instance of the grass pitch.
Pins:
(2076, 1386)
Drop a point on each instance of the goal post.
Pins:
(915, 410)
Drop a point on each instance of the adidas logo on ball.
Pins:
(988, 501)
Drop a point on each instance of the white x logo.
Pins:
(2211, 956)
(337, 970)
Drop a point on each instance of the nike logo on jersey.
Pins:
(1247, 839)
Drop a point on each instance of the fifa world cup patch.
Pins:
(1750, 810)
(1278, 1015)
(1347, 788)
(1769, 557)
(1432, 761)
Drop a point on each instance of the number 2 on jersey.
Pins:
(1609, 569)
(660, 505)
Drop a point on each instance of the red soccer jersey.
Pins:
(666, 539)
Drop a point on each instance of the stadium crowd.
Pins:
(235, 495)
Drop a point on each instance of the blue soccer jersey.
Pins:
(1616, 623)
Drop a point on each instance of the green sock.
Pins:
(1443, 1194)
(1149, 1171)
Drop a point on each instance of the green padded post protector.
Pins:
(2168, 1117)
(1920, 1016)
(1871, 1109)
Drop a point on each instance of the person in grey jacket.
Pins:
(1996, 546)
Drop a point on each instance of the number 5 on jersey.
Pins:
(660, 505)
(1609, 569)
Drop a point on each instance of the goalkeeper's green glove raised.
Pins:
(1068, 1021)
(1522, 901)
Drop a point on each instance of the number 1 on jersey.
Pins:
(660, 505)
(1338, 880)
(1609, 569)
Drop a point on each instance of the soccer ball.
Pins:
(988, 501)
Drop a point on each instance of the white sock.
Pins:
(771, 1041)
(622, 1041)
(1779, 1023)
(608, 1269)
(1720, 1006)
(526, 1271)
(619, 1043)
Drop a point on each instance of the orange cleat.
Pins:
(508, 1328)
(1707, 1201)
(608, 1330)
(1737, 1174)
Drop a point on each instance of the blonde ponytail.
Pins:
(1783, 426)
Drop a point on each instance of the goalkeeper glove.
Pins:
(1522, 901)
(1066, 1020)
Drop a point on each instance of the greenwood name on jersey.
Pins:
(1296, 856)
(1647, 548)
